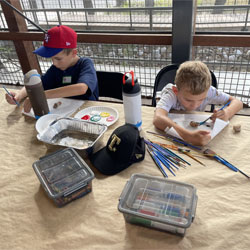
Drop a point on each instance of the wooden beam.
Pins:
(148, 39)
(22, 36)
(222, 40)
(16, 23)
(95, 38)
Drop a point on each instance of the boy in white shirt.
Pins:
(193, 92)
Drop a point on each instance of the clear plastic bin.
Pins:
(64, 175)
(158, 203)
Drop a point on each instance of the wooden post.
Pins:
(24, 49)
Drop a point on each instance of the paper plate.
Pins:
(99, 114)
(44, 121)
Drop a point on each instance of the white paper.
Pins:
(184, 121)
(68, 106)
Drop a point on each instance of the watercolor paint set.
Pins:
(158, 203)
(64, 175)
(99, 114)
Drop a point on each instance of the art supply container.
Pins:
(64, 175)
(35, 92)
(131, 94)
(158, 203)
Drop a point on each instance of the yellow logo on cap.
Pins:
(115, 141)
(138, 156)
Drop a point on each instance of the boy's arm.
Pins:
(67, 91)
(228, 112)
(161, 119)
(197, 137)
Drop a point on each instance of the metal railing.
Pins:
(105, 16)
(230, 65)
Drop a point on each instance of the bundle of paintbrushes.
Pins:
(181, 150)
(174, 147)
(175, 140)
(164, 158)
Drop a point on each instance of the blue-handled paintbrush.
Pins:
(203, 122)
(7, 91)
(210, 153)
(175, 139)
(156, 161)
(164, 154)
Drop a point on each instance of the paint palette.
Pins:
(99, 114)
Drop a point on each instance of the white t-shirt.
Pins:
(169, 100)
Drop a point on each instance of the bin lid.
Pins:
(62, 172)
(159, 199)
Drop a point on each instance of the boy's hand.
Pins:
(27, 105)
(10, 99)
(198, 137)
(221, 114)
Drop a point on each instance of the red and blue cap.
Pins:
(56, 39)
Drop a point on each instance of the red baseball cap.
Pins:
(56, 39)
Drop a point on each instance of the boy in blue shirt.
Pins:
(69, 76)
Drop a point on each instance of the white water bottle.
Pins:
(131, 94)
(35, 92)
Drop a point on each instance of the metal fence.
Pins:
(230, 65)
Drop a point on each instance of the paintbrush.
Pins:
(210, 153)
(171, 155)
(156, 161)
(166, 160)
(175, 139)
(219, 159)
(191, 156)
(182, 150)
(196, 124)
(7, 91)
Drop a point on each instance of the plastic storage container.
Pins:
(158, 203)
(64, 175)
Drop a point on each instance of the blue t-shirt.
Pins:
(82, 72)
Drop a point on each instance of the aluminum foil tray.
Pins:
(74, 133)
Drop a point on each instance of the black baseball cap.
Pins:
(124, 147)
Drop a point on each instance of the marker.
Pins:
(17, 103)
